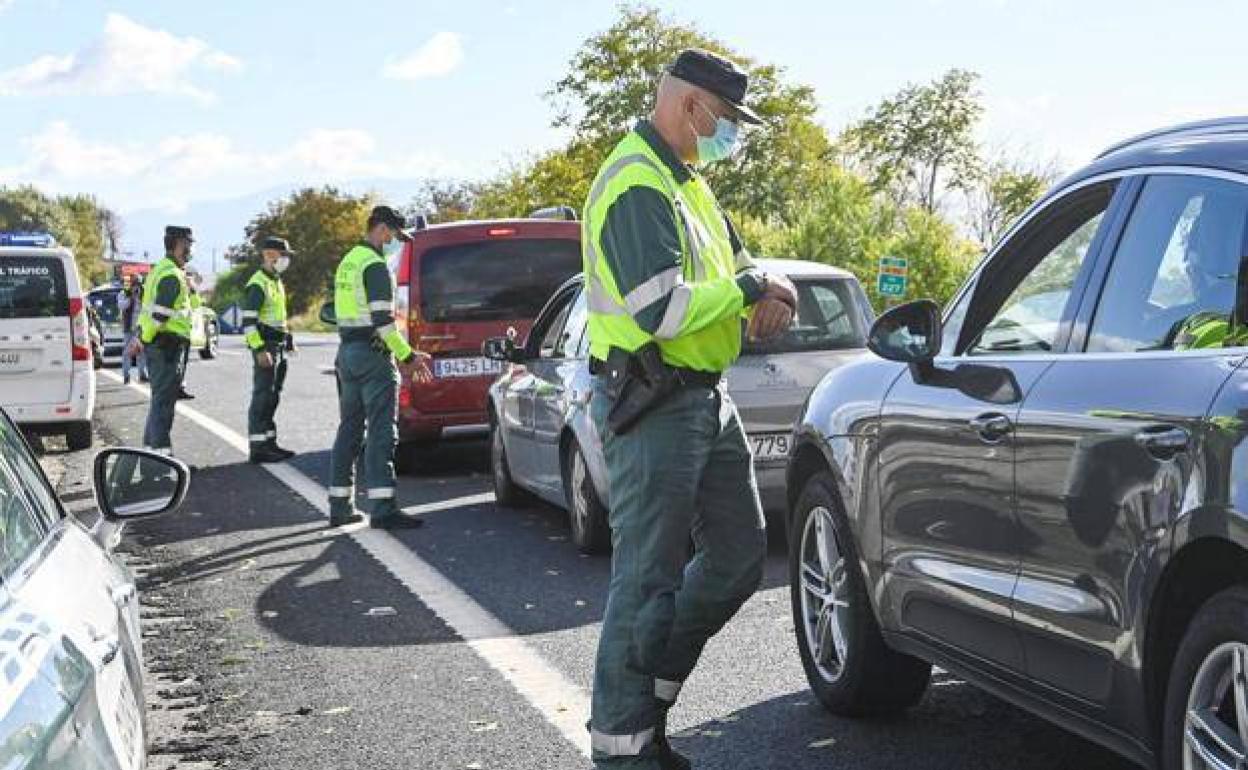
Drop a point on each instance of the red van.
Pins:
(459, 284)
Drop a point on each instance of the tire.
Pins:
(852, 671)
(78, 436)
(1202, 675)
(212, 337)
(506, 492)
(588, 517)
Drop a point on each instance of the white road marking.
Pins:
(454, 502)
(562, 703)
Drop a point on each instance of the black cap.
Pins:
(388, 216)
(277, 244)
(718, 75)
(177, 231)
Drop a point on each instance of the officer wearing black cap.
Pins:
(368, 380)
(165, 334)
(268, 337)
(668, 284)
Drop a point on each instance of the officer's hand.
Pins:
(772, 317)
(264, 359)
(135, 347)
(422, 372)
(779, 287)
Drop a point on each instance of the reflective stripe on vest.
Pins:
(273, 309)
(351, 307)
(179, 322)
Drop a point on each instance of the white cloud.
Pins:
(126, 58)
(440, 55)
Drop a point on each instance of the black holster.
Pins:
(637, 383)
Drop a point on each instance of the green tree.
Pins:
(561, 177)
(78, 222)
(1002, 193)
(443, 200)
(321, 226)
(921, 141)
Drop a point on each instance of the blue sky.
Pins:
(160, 104)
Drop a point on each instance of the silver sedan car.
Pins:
(544, 445)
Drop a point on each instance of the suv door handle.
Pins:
(1164, 441)
(991, 427)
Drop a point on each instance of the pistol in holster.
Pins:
(637, 382)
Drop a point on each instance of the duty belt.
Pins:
(688, 378)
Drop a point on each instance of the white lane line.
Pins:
(454, 502)
(562, 703)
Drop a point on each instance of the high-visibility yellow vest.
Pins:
(179, 313)
(352, 307)
(272, 312)
(707, 255)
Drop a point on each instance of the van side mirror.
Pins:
(502, 349)
(137, 483)
(327, 314)
(909, 333)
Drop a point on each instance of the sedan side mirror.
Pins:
(327, 314)
(502, 349)
(909, 333)
(137, 483)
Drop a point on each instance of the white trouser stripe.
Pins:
(674, 316)
(381, 493)
(340, 491)
(380, 305)
(270, 434)
(257, 438)
(666, 690)
(621, 745)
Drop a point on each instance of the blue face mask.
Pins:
(719, 145)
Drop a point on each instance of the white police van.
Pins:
(47, 381)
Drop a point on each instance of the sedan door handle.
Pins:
(1164, 441)
(991, 427)
(124, 594)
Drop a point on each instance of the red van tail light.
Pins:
(80, 336)
(495, 232)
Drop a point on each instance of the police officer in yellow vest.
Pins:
(267, 335)
(164, 334)
(669, 285)
(368, 381)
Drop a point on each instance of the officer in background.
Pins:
(192, 280)
(267, 335)
(368, 381)
(668, 286)
(165, 334)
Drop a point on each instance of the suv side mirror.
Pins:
(327, 314)
(909, 333)
(502, 349)
(137, 483)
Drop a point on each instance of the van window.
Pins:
(829, 317)
(32, 287)
(498, 280)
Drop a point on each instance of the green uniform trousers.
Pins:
(266, 394)
(368, 398)
(164, 368)
(684, 470)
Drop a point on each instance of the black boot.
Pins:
(285, 453)
(264, 453)
(343, 519)
(668, 758)
(184, 394)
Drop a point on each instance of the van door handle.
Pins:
(1164, 441)
(991, 427)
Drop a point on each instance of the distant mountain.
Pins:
(219, 224)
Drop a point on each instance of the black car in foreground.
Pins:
(1044, 489)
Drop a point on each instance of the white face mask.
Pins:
(282, 263)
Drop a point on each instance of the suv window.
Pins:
(1176, 267)
(33, 287)
(19, 534)
(1025, 292)
(500, 280)
(828, 317)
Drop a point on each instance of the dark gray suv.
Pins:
(1044, 489)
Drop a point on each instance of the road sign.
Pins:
(893, 276)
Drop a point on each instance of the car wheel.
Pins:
(850, 669)
(1206, 716)
(591, 531)
(78, 436)
(211, 339)
(506, 493)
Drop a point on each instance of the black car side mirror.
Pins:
(137, 483)
(327, 314)
(502, 349)
(909, 333)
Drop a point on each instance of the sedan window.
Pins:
(1172, 282)
(19, 534)
(42, 501)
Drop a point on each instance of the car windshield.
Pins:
(832, 314)
(105, 303)
(32, 287)
(498, 280)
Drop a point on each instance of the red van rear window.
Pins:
(494, 280)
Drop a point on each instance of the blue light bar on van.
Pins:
(31, 240)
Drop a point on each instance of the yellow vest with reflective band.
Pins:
(272, 308)
(707, 255)
(179, 322)
(352, 309)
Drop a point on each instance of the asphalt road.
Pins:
(314, 653)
